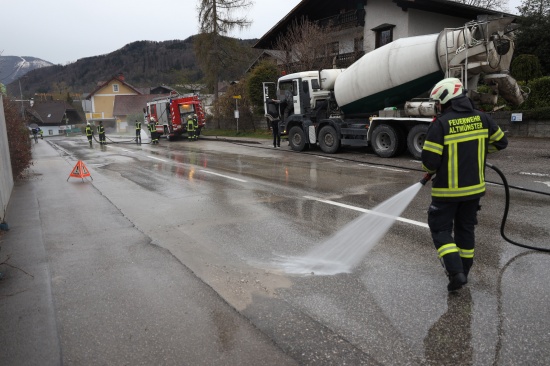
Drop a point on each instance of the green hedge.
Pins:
(539, 93)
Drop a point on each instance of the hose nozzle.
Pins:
(426, 179)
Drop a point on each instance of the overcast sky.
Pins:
(62, 31)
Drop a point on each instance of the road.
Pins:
(229, 211)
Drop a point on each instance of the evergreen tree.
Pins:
(217, 19)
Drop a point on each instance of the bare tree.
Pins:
(304, 47)
(487, 4)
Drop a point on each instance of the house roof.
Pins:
(102, 84)
(53, 112)
(132, 104)
(320, 9)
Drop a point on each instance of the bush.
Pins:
(18, 138)
(539, 96)
(266, 71)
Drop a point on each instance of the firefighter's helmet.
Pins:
(152, 120)
(447, 89)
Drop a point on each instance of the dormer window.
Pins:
(115, 88)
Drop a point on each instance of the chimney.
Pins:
(120, 76)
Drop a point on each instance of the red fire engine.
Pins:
(170, 113)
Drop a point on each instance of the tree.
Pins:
(217, 19)
(526, 67)
(533, 37)
(304, 47)
(226, 105)
(486, 4)
(266, 71)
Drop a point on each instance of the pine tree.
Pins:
(217, 19)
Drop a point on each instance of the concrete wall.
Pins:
(6, 176)
(525, 128)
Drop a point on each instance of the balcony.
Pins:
(349, 19)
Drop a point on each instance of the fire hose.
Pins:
(428, 177)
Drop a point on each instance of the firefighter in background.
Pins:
(138, 132)
(455, 149)
(190, 128)
(101, 133)
(153, 130)
(89, 133)
(41, 133)
(196, 126)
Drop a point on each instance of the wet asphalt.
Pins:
(166, 256)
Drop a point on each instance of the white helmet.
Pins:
(152, 119)
(447, 89)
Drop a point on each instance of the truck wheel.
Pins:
(328, 140)
(415, 140)
(387, 141)
(297, 138)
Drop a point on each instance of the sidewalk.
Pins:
(83, 285)
(28, 329)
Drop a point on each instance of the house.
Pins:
(103, 99)
(54, 117)
(364, 25)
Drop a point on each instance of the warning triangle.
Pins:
(80, 171)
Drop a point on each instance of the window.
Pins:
(384, 34)
(115, 88)
(333, 48)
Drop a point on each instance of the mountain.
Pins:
(143, 64)
(14, 67)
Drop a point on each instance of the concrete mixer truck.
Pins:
(378, 102)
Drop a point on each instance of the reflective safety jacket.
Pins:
(455, 149)
(100, 129)
(152, 127)
(89, 131)
(190, 124)
(138, 125)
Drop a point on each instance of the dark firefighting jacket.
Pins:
(455, 149)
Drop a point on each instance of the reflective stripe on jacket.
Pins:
(455, 149)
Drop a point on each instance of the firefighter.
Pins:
(196, 126)
(455, 150)
(153, 130)
(190, 128)
(138, 132)
(89, 133)
(41, 133)
(101, 133)
(273, 119)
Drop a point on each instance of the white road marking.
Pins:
(547, 183)
(224, 176)
(535, 174)
(417, 223)
(385, 168)
(328, 158)
(152, 157)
